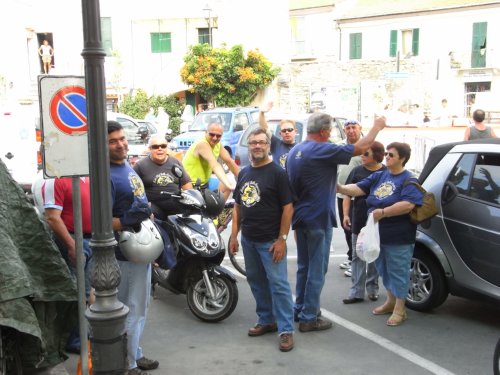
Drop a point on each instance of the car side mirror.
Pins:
(143, 132)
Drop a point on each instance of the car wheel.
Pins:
(428, 287)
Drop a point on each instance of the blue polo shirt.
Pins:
(312, 170)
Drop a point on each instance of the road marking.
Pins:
(387, 344)
(369, 335)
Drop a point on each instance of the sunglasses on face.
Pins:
(287, 130)
(390, 154)
(156, 147)
(215, 135)
(255, 143)
(347, 123)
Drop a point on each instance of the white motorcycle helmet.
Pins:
(144, 246)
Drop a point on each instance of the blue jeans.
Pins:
(393, 265)
(362, 274)
(313, 253)
(269, 284)
(134, 291)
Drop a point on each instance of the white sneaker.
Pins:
(345, 265)
(348, 273)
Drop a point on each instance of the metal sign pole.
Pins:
(107, 315)
(80, 273)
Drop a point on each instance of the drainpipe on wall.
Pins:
(340, 41)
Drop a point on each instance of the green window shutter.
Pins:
(107, 42)
(393, 44)
(161, 42)
(479, 33)
(414, 44)
(355, 46)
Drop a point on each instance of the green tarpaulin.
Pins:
(38, 296)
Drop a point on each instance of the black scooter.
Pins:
(210, 289)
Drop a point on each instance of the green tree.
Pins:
(138, 105)
(226, 76)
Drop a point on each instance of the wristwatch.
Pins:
(283, 237)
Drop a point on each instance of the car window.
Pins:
(130, 129)
(240, 122)
(460, 175)
(203, 119)
(486, 179)
(255, 116)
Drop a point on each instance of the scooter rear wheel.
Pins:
(209, 309)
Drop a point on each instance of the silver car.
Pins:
(458, 251)
(273, 121)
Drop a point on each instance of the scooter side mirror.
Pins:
(177, 171)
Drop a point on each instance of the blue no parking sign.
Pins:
(63, 114)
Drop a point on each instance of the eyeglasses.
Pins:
(156, 147)
(255, 143)
(390, 154)
(215, 135)
(367, 153)
(287, 130)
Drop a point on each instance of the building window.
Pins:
(203, 36)
(355, 46)
(478, 53)
(107, 41)
(161, 42)
(298, 25)
(405, 41)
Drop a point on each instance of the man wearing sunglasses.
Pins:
(155, 172)
(352, 130)
(201, 160)
(279, 147)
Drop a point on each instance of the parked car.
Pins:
(458, 251)
(137, 134)
(234, 121)
(273, 121)
(151, 127)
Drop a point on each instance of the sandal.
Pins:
(382, 310)
(396, 319)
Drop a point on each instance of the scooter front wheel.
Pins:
(209, 309)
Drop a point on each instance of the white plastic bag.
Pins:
(368, 242)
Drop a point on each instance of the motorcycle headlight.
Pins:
(199, 242)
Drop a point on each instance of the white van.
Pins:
(19, 148)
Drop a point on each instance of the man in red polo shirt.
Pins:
(57, 197)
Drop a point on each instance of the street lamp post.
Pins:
(207, 13)
(107, 315)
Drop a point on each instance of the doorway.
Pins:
(40, 38)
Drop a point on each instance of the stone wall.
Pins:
(355, 88)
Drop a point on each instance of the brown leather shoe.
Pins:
(320, 324)
(286, 342)
(261, 329)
